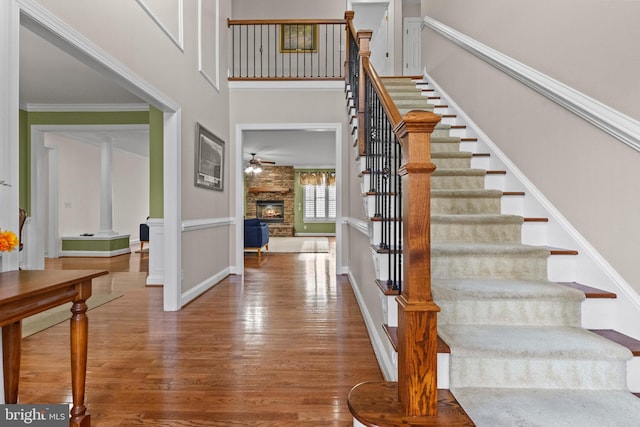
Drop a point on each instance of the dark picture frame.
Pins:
(209, 168)
(298, 38)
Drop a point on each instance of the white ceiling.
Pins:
(50, 77)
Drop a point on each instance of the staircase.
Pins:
(519, 355)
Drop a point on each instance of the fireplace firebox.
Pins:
(271, 211)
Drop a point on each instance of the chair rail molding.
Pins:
(200, 224)
(607, 119)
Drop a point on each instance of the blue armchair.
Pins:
(144, 235)
(256, 235)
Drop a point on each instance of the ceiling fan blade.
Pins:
(267, 162)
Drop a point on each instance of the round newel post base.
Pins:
(377, 404)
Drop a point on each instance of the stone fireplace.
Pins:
(274, 190)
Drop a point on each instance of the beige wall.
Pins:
(589, 176)
(283, 106)
(277, 9)
(124, 30)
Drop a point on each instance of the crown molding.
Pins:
(83, 107)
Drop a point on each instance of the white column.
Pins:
(106, 188)
(156, 251)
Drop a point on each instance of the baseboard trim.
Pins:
(204, 286)
(389, 370)
(101, 254)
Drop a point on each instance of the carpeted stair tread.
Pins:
(526, 342)
(476, 219)
(401, 89)
(498, 249)
(451, 159)
(404, 111)
(466, 193)
(452, 155)
(508, 301)
(508, 289)
(479, 228)
(459, 172)
(510, 407)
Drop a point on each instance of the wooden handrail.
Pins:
(351, 28)
(231, 22)
(387, 103)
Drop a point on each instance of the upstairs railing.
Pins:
(399, 168)
(286, 49)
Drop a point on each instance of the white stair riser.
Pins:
(562, 268)
(512, 205)
(383, 273)
(367, 185)
(371, 207)
(390, 310)
(633, 375)
(394, 235)
(534, 233)
(481, 162)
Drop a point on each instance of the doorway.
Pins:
(333, 130)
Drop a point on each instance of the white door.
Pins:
(411, 44)
(374, 16)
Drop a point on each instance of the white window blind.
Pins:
(319, 202)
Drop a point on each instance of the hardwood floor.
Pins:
(281, 347)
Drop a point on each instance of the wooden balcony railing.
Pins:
(285, 49)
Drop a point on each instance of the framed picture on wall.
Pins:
(298, 38)
(209, 160)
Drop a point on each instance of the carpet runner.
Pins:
(518, 354)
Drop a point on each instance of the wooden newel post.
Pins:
(417, 313)
(348, 17)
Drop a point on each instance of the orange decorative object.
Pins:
(8, 241)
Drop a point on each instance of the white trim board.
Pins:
(336, 128)
(177, 39)
(607, 119)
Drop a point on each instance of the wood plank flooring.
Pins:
(281, 347)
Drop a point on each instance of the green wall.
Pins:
(312, 227)
(156, 163)
(154, 118)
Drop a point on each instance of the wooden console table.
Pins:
(24, 293)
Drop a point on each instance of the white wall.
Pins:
(588, 175)
(79, 188)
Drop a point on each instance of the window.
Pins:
(319, 202)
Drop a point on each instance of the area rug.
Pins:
(298, 244)
(49, 318)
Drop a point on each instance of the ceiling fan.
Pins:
(255, 164)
